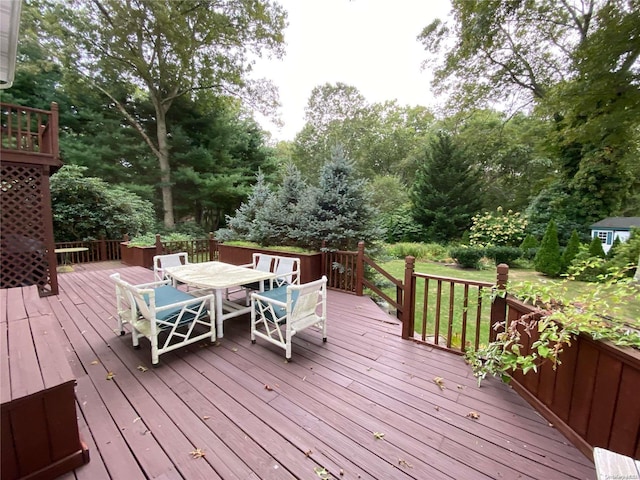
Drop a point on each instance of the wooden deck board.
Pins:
(257, 417)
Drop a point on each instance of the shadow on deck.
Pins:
(363, 405)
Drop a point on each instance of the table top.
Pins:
(71, 249)
(216, 275)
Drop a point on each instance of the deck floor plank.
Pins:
(258, 417)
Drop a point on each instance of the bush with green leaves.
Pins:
(149, 239)
(400, 226)
(86, 208)
(503, 254)
(558, 314)
(548, 260)
(595, 248)
(420, 251)
(499, 228)
(571, 251)
(467, 257)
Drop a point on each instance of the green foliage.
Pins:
(628, 253)
(595, 248)
(500, 229)
(503, 254)
(529, 247)
(570, 252)
(548, 259)
(444, 192)
(614, 248)
(420, 251)
(242, 224)
(89, 208)
(149, 239)
(467, 257)
(400, 226)
(339, 210)
(557, 317)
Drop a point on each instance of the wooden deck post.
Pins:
(213, 247)
(499, 304)
(408, 313)
(360, 269)
(158, 244)
(103, 249)
(323, 251)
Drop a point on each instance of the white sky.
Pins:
(369, 44)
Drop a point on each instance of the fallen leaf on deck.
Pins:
(437, 408)
(440, 382)
(197, 453)
(308, 453)
(473, 415)
(142, 368)
(321, 472)
(404, 463)
(461, 387)
(378, 435)
(234, 349)
(110, 375)
(95, 362)
(206, 417)
(267, 387)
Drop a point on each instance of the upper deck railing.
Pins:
(29, 132)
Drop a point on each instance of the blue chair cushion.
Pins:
(279, 294)
(167, 295)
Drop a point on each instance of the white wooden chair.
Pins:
(280, 313)
(161, 262)
(287, 270)
(158, 308)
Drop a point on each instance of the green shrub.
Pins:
(507, 255)
(529, 247)
(149, 239)
(595, 248)
(467, 257)
(573, 248)
(421, 251)
(614, 248)
(548, 260)
(627, 253)
(503, 229)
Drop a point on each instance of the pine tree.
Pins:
(595, 248)
(548, 260)
(243, 223)
(573, 247)
(281, 214)
(445, 191)
(339, 210)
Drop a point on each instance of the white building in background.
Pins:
(608, 229)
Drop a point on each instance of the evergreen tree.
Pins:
(339, 210)
(595, 248)
(573, 247)
(242, 224)
(281, 213)
(445, 191)
(614, 248)
(548, 260)
(529, 247)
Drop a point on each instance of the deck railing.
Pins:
(29, 130)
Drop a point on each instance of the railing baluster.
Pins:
(478, 317)
(465, 307)
(450, 320)
(425, 309)
(436, 333)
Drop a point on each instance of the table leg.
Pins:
(219, 312)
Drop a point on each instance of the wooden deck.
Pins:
(364, 405)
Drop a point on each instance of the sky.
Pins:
(369, 44)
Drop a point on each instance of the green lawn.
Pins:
(629, 309)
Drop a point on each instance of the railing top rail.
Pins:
(475, 283)
(11, 106)
(382, 272)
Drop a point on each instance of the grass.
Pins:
(629, 311)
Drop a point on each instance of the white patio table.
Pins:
(219, 277)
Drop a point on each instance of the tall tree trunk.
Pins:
(165, 169)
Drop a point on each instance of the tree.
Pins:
(339, 210)
(595, 248)
(573, 62)
(571, 251)
(549, 259)
(89, 208)
(164, 50)
(242, 224)
(281, 214)
(445, 191)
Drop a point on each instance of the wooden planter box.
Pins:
(137, 256)
(310, 263)
(593, 397)
(39, 425)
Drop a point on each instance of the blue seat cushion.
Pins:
(256, 286)
(279, 294)
(168, 295)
